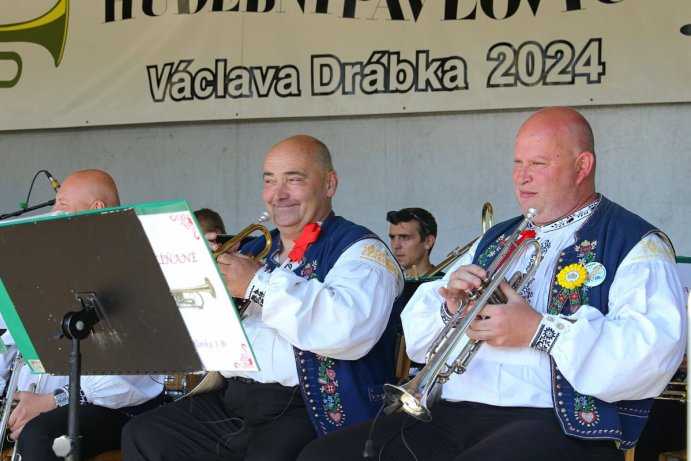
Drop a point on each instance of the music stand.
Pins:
(98, 269)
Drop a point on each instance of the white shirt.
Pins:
(107, 391)
(628, 354)
(342, 317)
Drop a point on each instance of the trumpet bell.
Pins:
(411, 398)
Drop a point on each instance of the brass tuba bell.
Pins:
(48, 30)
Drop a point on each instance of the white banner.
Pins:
(89, 62)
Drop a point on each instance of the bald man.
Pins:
(569, 364)
(318, 323)
(86, 190)
(107, 402)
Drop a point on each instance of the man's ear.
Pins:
(97, 205)
(429, 242)
(331, 183)
(585, 162)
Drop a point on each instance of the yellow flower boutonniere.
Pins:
(572, 276)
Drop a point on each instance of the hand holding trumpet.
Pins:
(512, 324)
(29, 405)
(236, 268)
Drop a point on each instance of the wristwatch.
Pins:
(61, 397)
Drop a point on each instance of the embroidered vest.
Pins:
(606, 237)
(338, 392)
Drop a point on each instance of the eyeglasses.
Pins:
(395, 217)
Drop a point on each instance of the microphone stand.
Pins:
(50, 202)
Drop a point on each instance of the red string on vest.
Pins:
(310, 233)
(525, 235)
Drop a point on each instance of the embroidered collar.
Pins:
(576, 216)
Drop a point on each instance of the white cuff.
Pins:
(548, 332)
(258, 286)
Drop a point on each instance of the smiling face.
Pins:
(299, 183)
(553, 164)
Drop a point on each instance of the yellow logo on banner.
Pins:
(49, 31)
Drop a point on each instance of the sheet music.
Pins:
(199, 291)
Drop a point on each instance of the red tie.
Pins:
(310, 233)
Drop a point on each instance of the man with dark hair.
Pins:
(210, 221)
(413, 232)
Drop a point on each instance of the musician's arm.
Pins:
(344, 316)
(120, 391)
(632, 352)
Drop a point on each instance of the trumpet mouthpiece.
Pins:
(264, 217)
(532, 212)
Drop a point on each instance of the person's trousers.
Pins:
(245, 421)
(461, 432)
(99, 428)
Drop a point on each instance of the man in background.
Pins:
(413, 232)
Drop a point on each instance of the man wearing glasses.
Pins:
(413, 232)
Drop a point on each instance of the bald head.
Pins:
(554, 163)
(571, 130)
(87, 190)
(299, 183)
(307, 145)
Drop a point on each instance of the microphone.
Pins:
(53, 182)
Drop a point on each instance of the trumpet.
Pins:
(7, 404)
(9, 396)
(192, 297)
(413, 396)
(487, 216)
(254, 227)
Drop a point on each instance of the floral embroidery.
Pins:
(570, 286)
(492, 250)
(586, 411)
(310, 270)
(329, 391)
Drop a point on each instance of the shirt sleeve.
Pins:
(632, 352)
(342, 317)
(423, 317)
(120, 391)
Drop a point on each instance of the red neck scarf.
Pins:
(310, 233)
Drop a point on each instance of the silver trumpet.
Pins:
(9, 398)
(413, 396)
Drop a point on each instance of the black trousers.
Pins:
(462, 432)
(245, 421)
(99, 428)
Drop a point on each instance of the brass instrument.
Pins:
(48, 30)
(487, 216)
(413, 396)
(9, 397)
(7, 404)
(192, 297)
(678, 387)
(257, 226)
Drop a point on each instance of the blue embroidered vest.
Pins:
(606, 237)
(338, 393)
